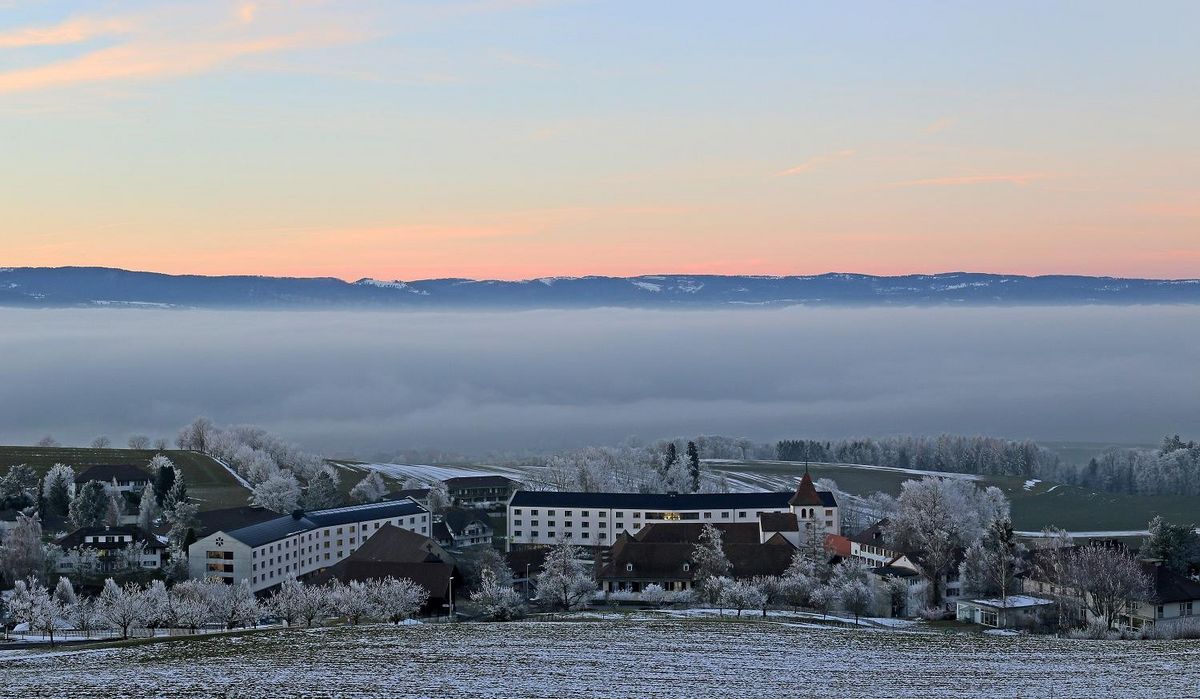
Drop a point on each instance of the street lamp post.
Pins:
(451, 598)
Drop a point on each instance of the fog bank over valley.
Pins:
(362, 382)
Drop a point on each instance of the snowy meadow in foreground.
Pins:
(647, 657)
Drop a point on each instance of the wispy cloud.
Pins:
(940, 125)
(168, 41)
(1020, 179)
(71, 31)
(818, 161)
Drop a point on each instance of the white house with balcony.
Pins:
(543, 518)
(292, 546)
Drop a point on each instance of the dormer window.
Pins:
(687, 567)
(629, 567)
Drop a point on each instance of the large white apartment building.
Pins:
(541, 518)
(295, 545)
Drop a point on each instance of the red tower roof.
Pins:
(806, 493)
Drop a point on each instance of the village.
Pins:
(137, 558)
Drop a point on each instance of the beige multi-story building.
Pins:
(542, 518)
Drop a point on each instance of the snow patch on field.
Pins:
(1029, 484)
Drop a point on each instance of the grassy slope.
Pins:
(208, 482)
(1044, 504)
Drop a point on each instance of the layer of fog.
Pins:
(365, 383)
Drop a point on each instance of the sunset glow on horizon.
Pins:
(513, 139)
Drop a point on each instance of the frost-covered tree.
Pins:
(18, 487)
(1110, 577)
(190, 604)
(139, 441)
(369, 489)
(497, 602)
(278, 493)
(564, 582)
(396, 599)
(161, 444)
(196, 436)
(48, 442)
(314, 604)
(156, 605)
(714, 589)
(101, 442)
(83, 615)
(353, 601)
(287, 601)
(182, 518)
(121, 607)
(178, 494)
(58, 487)
(114, 509)
(741, 595)
(233, 605)
(772, 589)
(799, 580)
(37, 607)
(654, 594)
(856, 597)
(147, 509)
(322, 491)
(939, 517)
(709, 560)
(64, 592)
(21, 552)
(175, 565)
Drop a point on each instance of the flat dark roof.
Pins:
(648, 501)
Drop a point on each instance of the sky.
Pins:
(361, 384)
(518, 138)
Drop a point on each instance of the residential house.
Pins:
(1172, 597)
(108, 550)
(543, 518)
(871, 546)
(1013, 611)
(662, 553)
(480, 491)
(129, 478)
(291, 546)
(460, 528)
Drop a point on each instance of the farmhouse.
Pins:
(295, 545)
(129, 478)
(399, 553)
(542, 518)
(480, 491)
(109, 549)
(661, 553)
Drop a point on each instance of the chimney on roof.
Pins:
(297, 513)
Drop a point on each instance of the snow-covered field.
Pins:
(644, 657)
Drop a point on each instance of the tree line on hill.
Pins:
(1171, 469)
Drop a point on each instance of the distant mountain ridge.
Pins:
(97, 287)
